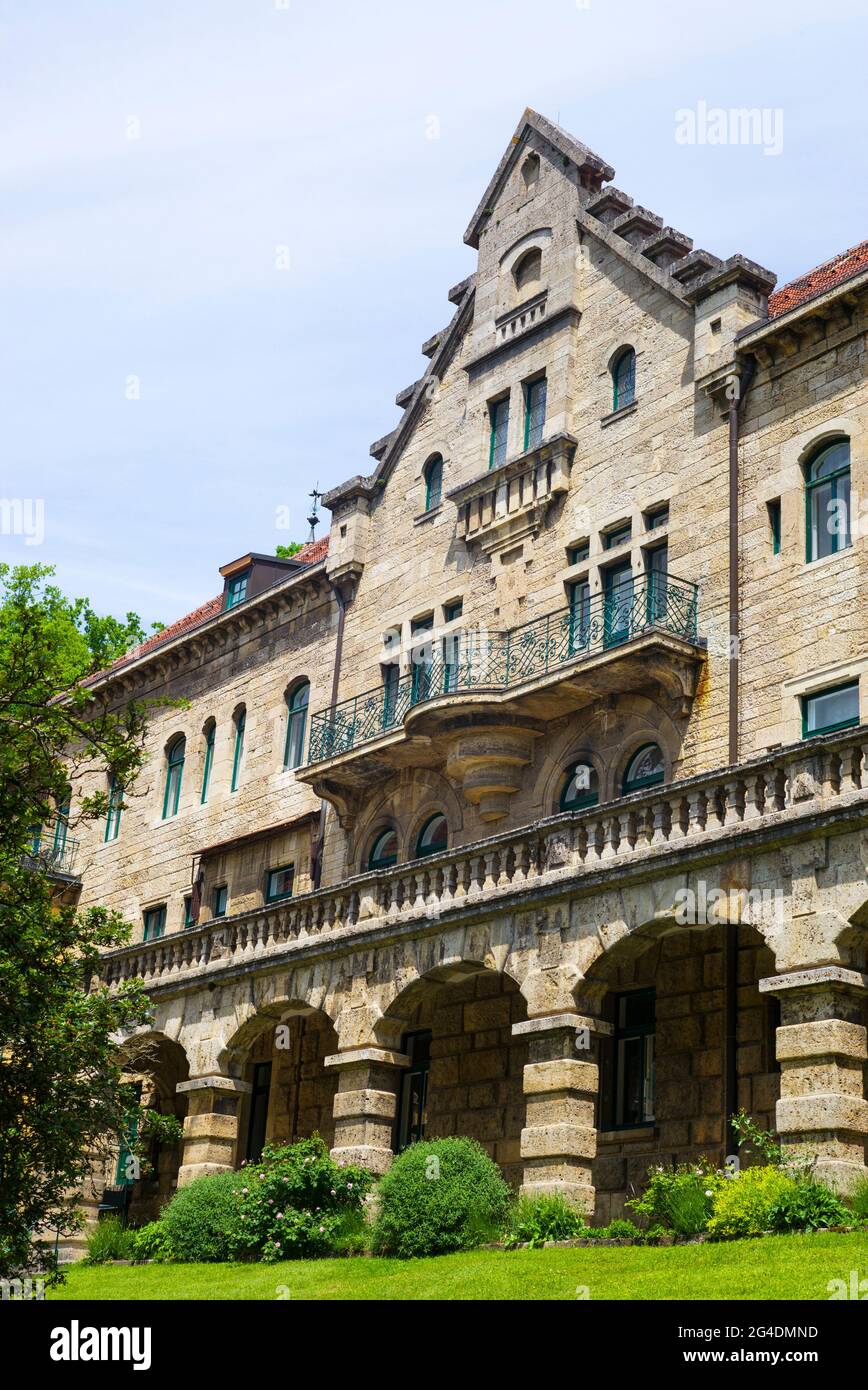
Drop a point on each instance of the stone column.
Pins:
(821, 1047)
(559, 1142)
(210, 1126)
(365, 1105)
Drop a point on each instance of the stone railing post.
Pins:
(821, 1047)
(559, 1141)
(365, 1105)
(211, 1125)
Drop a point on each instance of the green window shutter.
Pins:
(209, 760)
(498, 414)
(238, 753)
(534, 412)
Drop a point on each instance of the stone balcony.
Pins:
(782, 797)
(474, 702)
(511, 501)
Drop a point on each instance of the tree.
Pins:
(61, 1094)
(286, 552)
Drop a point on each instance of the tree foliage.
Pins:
(61, 1092)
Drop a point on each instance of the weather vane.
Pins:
(313, 519)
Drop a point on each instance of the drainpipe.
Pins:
(730, 945)
(336, 675)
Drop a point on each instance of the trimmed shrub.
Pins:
(296, 1203)
(201, 1222)
(808, 1206)
(439, 1196)
(109, 1240)
(744, 1204)
(534, 1220)
(680, 1198)
(151, 1242)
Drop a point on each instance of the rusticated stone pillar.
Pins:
(821, 1047)
(365, 1105)
(210, 1126)
(559, 1141)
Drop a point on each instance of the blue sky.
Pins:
(265, 125)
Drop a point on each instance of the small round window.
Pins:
(433, 837)
(645, 769)
(384, 851)
(581, 788)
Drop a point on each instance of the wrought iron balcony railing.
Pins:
(56, 854)
(478, 661)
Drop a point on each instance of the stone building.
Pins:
(531, 803)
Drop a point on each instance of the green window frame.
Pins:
(579, 596)
(577, 554)
(61, 828)
(384, 850)
(113, 813)
(257, 1122)
(189, 919)
(433, 482)
(498, 436)
(646, 768)
(296, 725)
(827, 489)
(453, 610)
(129, 1135)
(633, 1091)
(421, 657)
(581, 787)
(624, 379)
(619, 535)
(391, 686)
(433, 838)
(818, 706)
(774, 514)
(175, 757)
(238, 751)
(278, 883)
(154, 922)
(219, 900)
(236, 590)
(656, 517)
(210, 736)
(657, 581)
(412, 1115)
(534, 412)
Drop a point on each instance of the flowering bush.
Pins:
(744, 1204)
(680, 1198)
(297, 1203)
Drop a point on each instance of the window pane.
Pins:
(832, 708)
(434, 836)
(499, 414)
(535, 408)
(279, 883)
(580, 788)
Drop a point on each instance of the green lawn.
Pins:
(776, 1267)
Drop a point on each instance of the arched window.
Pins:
(433, 837)
(113, 814)
(433, 473)
(296, 725)
(384, 850)
(645, 769)
(624, 379)
(530, 170)
(210, 734)
(240, 722)
(581, 788)
(175, 755)
(528, 269)
(827, 489)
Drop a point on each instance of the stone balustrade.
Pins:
(788, 786)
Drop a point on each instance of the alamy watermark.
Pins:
(762, 126)
(23, 516)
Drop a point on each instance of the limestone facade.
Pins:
(537, 980)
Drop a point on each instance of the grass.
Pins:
(776, 1267)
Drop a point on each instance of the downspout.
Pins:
(336, 675)
(730, 945)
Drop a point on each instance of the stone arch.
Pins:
(454, 1021)
(277, 1051)
(156, 1063)
(608, 737)
(665, 1086)
(405, 802)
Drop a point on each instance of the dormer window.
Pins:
(236, 590)
(527, 271)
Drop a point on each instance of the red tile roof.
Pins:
(310, 554)
(823, 277)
